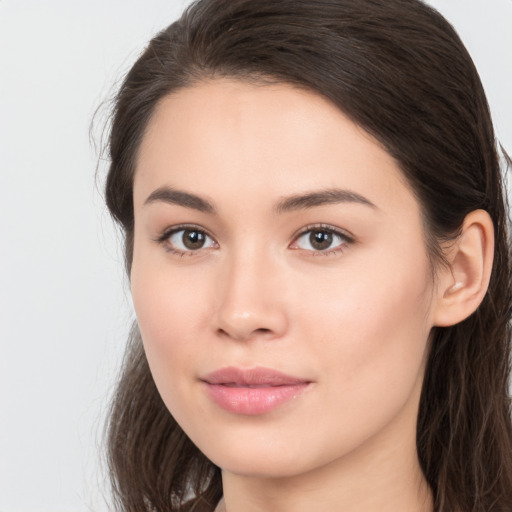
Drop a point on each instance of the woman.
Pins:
(317, 247)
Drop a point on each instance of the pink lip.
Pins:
(252, 391)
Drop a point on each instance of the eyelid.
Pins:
(327, 227)
(345, 235)
(171, 230)
(168, 231)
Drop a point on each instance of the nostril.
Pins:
(261, 331)
(244, 335)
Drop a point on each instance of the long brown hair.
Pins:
(398, 69)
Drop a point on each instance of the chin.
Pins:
(262, 466)
(268, 456)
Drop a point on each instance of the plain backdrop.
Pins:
(64, 302)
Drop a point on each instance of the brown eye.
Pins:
(321, 240)
(193, 239)
(189, 240)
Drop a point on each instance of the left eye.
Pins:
(186, 240)
(320, 239)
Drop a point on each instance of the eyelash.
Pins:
(163, 239)
(345, 238)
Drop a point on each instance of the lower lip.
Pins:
(253, 401)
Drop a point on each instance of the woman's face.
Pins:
(280, 279)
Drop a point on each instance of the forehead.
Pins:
(228, 138)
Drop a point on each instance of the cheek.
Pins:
(167, 300)
(367, 341)
(165, 309)
(370, 328)
(170, 308)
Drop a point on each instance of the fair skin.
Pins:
(334, 290)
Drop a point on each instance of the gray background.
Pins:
(64, 301)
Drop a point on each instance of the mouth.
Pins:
(252, 391)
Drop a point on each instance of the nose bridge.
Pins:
(250, 302)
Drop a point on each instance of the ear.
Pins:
(462, 285)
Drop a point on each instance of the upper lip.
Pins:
(248, 377)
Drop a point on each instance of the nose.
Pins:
(251, 299)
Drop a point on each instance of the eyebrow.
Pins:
(320, 198)
(291, 203)
(172, 196)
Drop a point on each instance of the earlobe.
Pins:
(463, 284)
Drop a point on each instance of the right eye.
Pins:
(188, 240)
